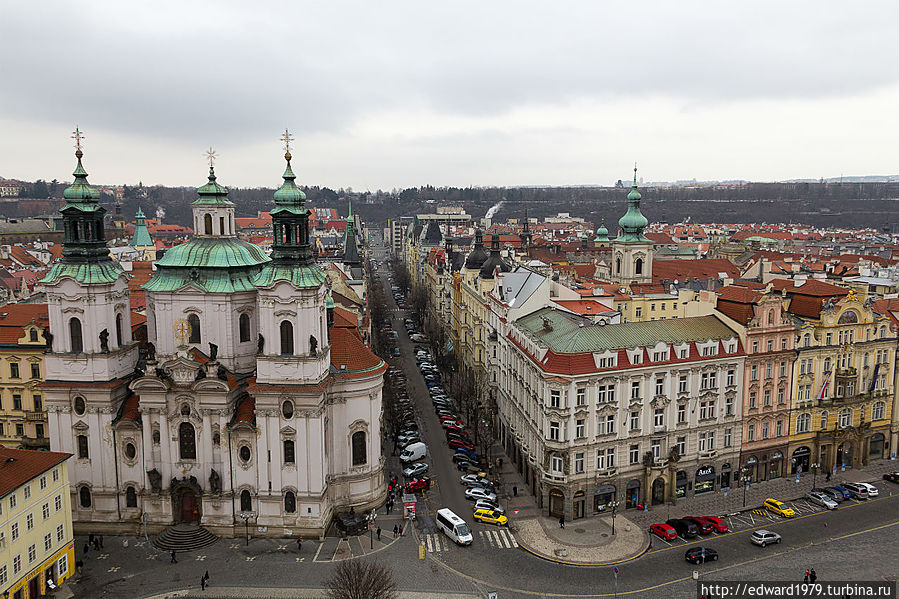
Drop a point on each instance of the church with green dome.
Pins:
(249, 397)
(632, 251)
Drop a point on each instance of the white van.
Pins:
(454, 526)
(413, 452)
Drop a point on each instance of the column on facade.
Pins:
(206, 449)
(147, 448)
(165, 443)
(274, 442)
(303, 481)
(315, 446)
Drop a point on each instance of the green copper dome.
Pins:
(80, 193)
(215, 265)
(289, 197)
(212, 194)
(602, 233)
(633, 222)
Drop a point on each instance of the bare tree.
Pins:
(357, 579)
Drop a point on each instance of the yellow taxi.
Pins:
(779, 508)
(490, 517)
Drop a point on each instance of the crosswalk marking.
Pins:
(500, 538)
(433, 543)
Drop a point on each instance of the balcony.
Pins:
(34, 416)
(847, 373)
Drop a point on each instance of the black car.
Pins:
(700, 555)
(685, 529)
(893, 477)
(351, 523)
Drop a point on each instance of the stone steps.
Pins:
(184, 537)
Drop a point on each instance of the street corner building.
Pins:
(247, 405)
(37, 546)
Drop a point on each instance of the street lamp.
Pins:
(245, 516)
(744, 480)
(815, 479)
(614, 505)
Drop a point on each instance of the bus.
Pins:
(453, 526)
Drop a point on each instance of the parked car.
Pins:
(454, 428)
(872, 490)
(719, 524)
(843, 491)
(685, 530)
(475, 493)
(466, 466)
(700, 555)
(779, 507)
(462, 457)
(490, 517)
(663, 531)
(418, 484)
(893, 477)
(416, 469)
(764, 537)
(704, 527)
(833, 493)
(460, 444)
(486, 504)
(482, 482)
(822, 499)
(856, 491)
(470, 453)
(469, 479)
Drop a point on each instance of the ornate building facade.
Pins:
(247, 404)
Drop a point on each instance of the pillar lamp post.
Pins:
(815, 467)
(744, 480)
(245, 516)
(614, 505)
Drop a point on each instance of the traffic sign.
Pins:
(492, 595)
(615, 569)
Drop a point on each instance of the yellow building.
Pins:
(843, 380)
(37, 547)
(23, 419)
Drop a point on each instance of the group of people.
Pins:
(810, 575)
(393, 489)
(95, 541)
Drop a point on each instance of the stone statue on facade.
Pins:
(104, 340)
(215, 482)
(260, 345)
(155, 480)
(48, 336)
(151, 352)
(213, 352)
(313, 345)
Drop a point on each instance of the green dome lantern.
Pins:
(633, 222)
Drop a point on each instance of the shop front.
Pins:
(603, 495)
(705, 480)
(775, 465)
(556, 503)
(632, 494)
(578, 506)
(752, 468)
(680, 489)
(875, 446)
(724, 481)
(801, 459)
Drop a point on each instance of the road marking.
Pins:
(512, 539)
(320, 545)
(300, 559)
(235, 545)
(139, 544)
(282, 547)
(201, 558)
(151, 556)
(113, 569)
(103, 556)
(251, 558)
(428, 543)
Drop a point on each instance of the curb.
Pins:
(646, 547)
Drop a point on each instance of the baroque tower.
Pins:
(631, 250)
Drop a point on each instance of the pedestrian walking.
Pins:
(86, 549)
(561, 521)
(500, 463)
(174, 561)
(202, 583)
(378, 533)
(805, 578)
(299, 544)
(812, 576)
(396, 529)
(827, 478)
(206, 576)
(100, 539)
(96, 543)
(79, 566)
(514, 491)
(90, 538)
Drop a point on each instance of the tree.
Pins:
(357, 579)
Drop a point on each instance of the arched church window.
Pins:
(194, 321)
(130, 451)
(75, 335)
(84, 496)
(187, 443)
(222, 225)
(618, 265)
(638, 266)
(287, 409)
(359, 448)
(83, 451)
(118, 330)
(290, 502)
(244, 326)
(289, 452)
(207, 224)
(246, 501)
(286, 338)
(130, 497)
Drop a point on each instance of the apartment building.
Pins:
(23, 339)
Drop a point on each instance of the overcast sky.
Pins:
(397, 94)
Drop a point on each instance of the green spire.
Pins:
(141, 237)
(212, 193)
(633, 222)
(349, 217)
(80, 191)
(289, 197)
(602, 233)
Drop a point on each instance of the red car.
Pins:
(663, 531)
(418, 484)
(453, 428)
(893, 477)
(717, 523)
(458, 443)
(446, 421)
(705, 527)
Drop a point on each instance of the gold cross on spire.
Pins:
(287, 138)
(77, 136)
(210, 156)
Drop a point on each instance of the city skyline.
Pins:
(403, 96)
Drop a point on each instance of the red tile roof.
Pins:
(349, 354)
(14, 318)
(345, 318)
(703, 268)
(20, 255)
(18, 466)
(584, 306)
(246, 411)
(810, 287)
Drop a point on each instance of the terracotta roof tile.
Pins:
(703, 268)
(18, 466)
(14, 318)
(345, 318)
(349, 353)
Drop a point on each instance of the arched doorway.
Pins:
(752, 468)
(579, 502)
(632, 494)
(658, 491)
(844, 455)
(190, 510)
(556, 503)
(800, 460)
(875, 446)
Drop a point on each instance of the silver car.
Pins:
(475, 493)
(486, 504)
(764, 537)
(872, 490)
(822, 499)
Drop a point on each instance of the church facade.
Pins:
(248, 404)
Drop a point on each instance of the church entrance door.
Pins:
(189, 510)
